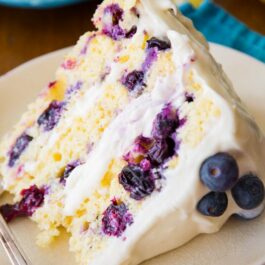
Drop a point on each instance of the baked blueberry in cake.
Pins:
(139, 145)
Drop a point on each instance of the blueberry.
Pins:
(213, 204)
(189, 97)
(251, 214)
(151, 57)
(51, 116)
(114, 30)
(248, 193)
(142, 144)
(74, 88)
(20, 145)
(131, 32)
(9, 212)
(161, 45)
(68, 170)
(116, 219)
(134, 80)
(140, 148)
(32, 198)
(165, 123)
(116, 12)
(161, 151)
(137, 182)
(219, 172)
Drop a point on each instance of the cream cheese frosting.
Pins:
(172, 216)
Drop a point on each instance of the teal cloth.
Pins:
(220, 27)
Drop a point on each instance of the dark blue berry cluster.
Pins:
(68, 170)
(51, 116)
(220, 173)
(18, 148)
(149, 154)
(134, 81)
(114, 30)
(32, 198)
(116, 219)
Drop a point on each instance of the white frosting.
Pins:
(136, 119)
(172, 217)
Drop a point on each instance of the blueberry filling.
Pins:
(131, 32)
(248, 193)
(143, 144)
(161, 45)
(51, 116)
(213, 204)
(151, 57)
(32, 199)
(149, 154)
(19, 147)
(219, 172)
(115, 32)
(68, 170)
(141, 147)
(162, 150)
(74, 88)
(165, 123)
(189, 97)
(113, 29)
(134, 81)
(116, 219)
(137, 182)
(116, 13)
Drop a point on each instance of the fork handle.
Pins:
(14, 253)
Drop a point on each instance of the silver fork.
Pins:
(13, 251)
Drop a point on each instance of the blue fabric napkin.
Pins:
(220, 27)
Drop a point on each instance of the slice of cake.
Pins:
(139, 145)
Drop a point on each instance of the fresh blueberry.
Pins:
(251, 214)
(32, 199)
(161, 151)
(51, 116)
(165, 123)
(68, 170)
(116, 219)
(161, 45)
(134, 81)
(248, 193)
(219, 172)
(20, 145)
(137, 182)
(213, 204)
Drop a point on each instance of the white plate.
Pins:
(238, 243)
